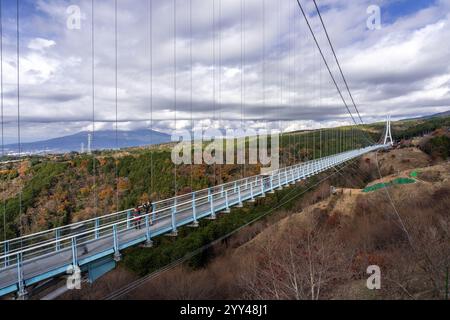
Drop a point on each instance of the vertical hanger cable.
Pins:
(191, 82)
(242, 80)
(94, 187)
(243, 76)
(150, 14)
(2, 115)
(116, 102)
(19, 142)
(214, 35)
(175, 80)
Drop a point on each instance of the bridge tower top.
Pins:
(388, 135)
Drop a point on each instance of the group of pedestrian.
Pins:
(145, 209)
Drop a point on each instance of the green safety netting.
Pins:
(388, 184)
(414, 174)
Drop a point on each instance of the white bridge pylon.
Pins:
(388, 135)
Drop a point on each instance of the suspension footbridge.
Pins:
(95, 245)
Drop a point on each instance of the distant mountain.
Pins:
(102, 140)
(437, 115)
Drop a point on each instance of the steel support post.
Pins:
(213, 211)
(97, 225)
(194, 211)
(6, 250)
(148, 241)
(22, 293)
(227, 205)
(128, 219)
(117, 255)
(240, 205)
(57, 236)
(74, 251)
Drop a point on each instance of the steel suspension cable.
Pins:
(2, 114)
(214, 77)
(175, 81)
(324, 60)
(220, 83)
(293, 84)
(280, 79)
(242, 84)
(243, 78)
(290, 85)
(191, 87)
(116, 101)
(94, 185)
(264, 60)
(19, 142)
(150, 14)
(337, 61)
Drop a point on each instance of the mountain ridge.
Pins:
(102, 140)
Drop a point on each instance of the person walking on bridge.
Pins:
(137, 217)
(148, 209)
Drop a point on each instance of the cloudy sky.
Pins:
(255, 69)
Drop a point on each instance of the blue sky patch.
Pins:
(399, 8)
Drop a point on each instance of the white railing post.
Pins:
(227, 206)
(173, 218)
(211, 202)
(117, 255)
(148, 238)
(128, 219)
(252, 197)
(74, 251)
(153, 212)
(57, 243)
(20, 277)
(239, 197)
(97, 225)
(194, 208)
(6, 250)
(263, 195)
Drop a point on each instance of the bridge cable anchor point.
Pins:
(117, 257)
(172, 234)
(194, 224)
(148, 244)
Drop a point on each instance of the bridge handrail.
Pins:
(109, 226)
(51, 241)
(53, 230)
(160, 210)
